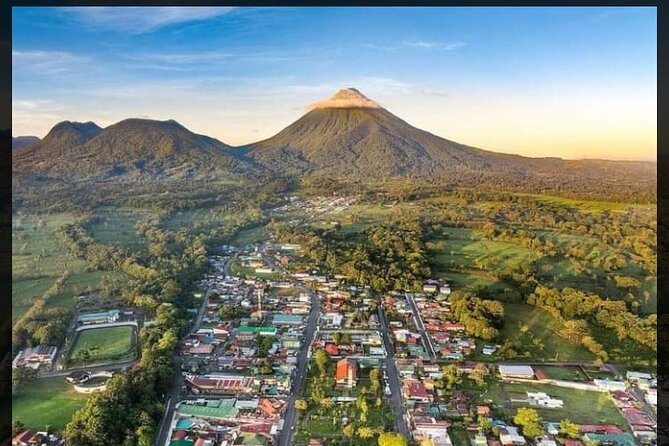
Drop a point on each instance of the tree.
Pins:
(301, 404)
(575, 330)
(484, 423)
(322, 359)
(375, 381)
(530, 421)
(569, 429)
(479, 374)
(349, 431)
(451, 375)
(392, 439)
(336, 338)
(365, 432)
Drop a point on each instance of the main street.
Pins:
(420, 327)
(395, 398)
(299, 384)
(173, 397)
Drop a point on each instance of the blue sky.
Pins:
(570, 82)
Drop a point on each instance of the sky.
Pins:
(568, 82)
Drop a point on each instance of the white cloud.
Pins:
(46, 62)
(139, 20)
(416, 44)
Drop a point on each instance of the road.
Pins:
(99, 368)
(173, 397)
(420, 327)
(395, 399)
(299, 384)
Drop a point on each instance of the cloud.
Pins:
(46, 62)
(416, 44)
(444, 46)
(140, 20)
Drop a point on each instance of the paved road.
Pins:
(299, 384)
(99, 368)
(395, 398)
(420, 327)
(174, 395)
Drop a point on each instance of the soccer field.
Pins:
(105, 344)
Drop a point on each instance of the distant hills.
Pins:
(347, 136)
(132, 147)
(22, 141)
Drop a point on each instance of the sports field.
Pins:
(105, 344)
(46, 401)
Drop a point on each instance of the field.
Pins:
(106, 344)
(535, 330)
(46, 401)
(114, 226)
(581, 406)
(37, 258)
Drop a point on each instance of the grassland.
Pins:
(106, 344)
(37, 258)
(117, 226)
(537, 333)
(581, 406)
(46, 401)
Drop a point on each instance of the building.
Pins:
(104, 317)
(219, 383)
(509, 436)
(249, 331)
(347, 373)
(287, 319)
(36, 356)
(607, 384)
(431, 428)
(540, 399)
(516, 371)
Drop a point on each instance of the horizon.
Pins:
(488, 78)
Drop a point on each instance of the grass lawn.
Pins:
(564, 373)
(580, 406)
(46, 401)
(535, 330)
(106, 344)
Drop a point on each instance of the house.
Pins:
(479, 439)
(346, 373)
(489, 349)
(651, 397)
(36, 356)
(509, 436)
(332, 349)
(414, 390)
(24, 438)
(315, 442)
(516, 371)
(623, 439)
(431, 428)
(637, 376)
(545, 441)
(428, 288)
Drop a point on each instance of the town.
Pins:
(280, 356)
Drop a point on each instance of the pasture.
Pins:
(536, 334)
(117, 226)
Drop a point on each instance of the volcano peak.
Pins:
(346, 98)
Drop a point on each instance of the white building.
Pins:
(516, 371)
(540, 399)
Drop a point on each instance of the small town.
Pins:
(282, 354)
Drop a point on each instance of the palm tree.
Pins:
(365, 432)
